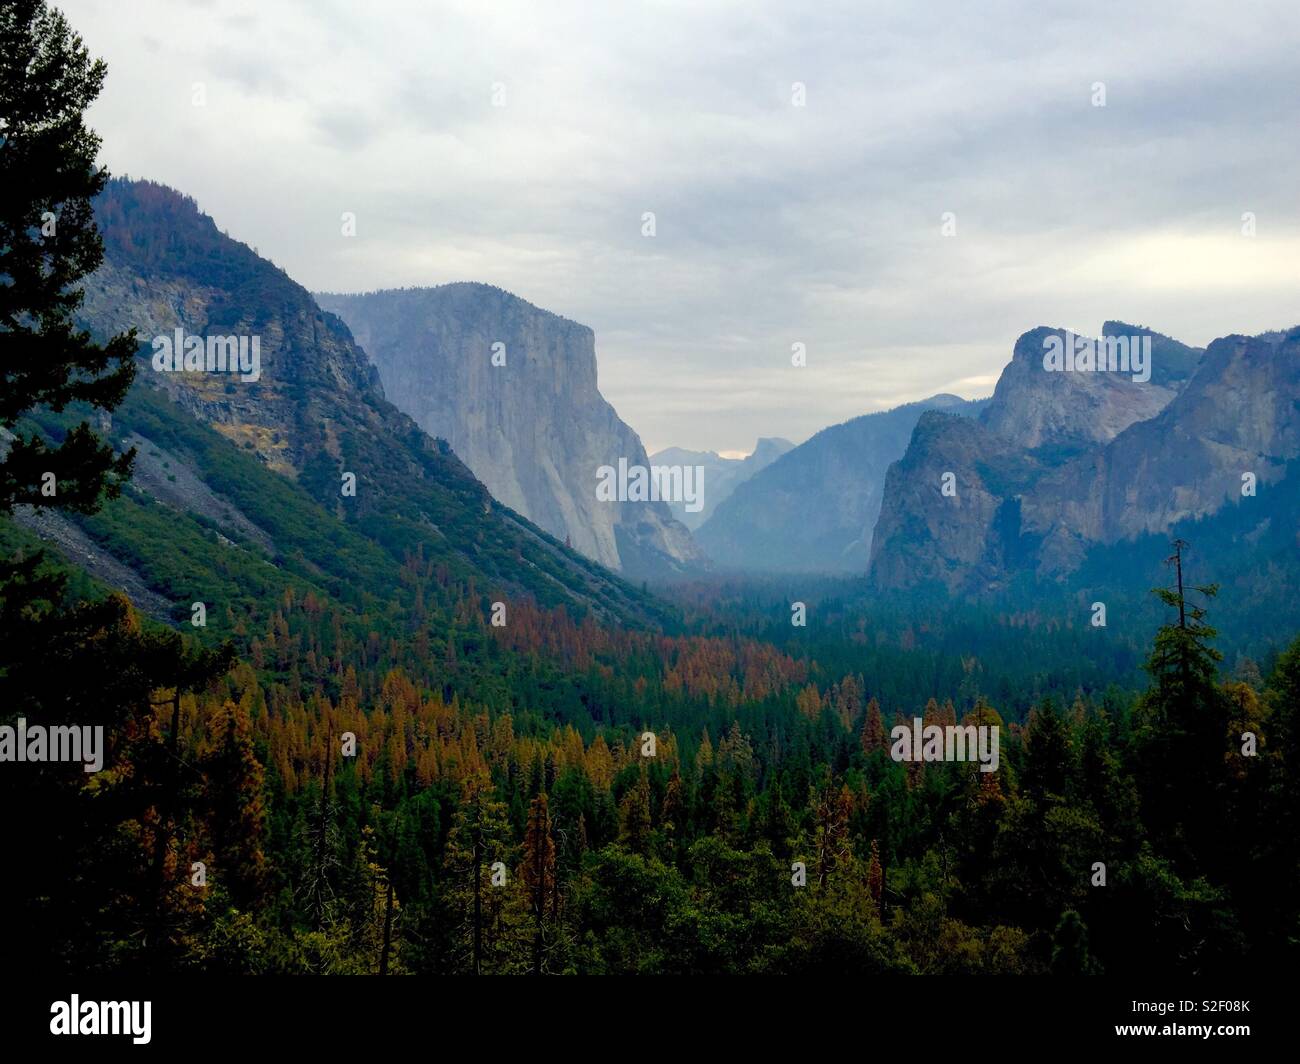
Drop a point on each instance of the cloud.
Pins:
(775, 223)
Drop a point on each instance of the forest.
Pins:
(389, 751)
(304, 800)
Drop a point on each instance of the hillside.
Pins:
(240, 477)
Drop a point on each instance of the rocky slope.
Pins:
(315, 414)
(1039, 485)
(721, 475)
(814, 509)
(1239, 414)
(923, 533)
(530, 423)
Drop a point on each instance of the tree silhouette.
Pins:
(48, 242)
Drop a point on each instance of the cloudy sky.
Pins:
(775, 223)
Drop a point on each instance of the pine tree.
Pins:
(1070, 955)
(1105, 785)
(94, 665)
(672, 814)
(873, 729)
(1284, 698)
(634, 816)
(480, 839)
(538, 873)
(1182, 663)
(1047, 755)
(875, 875)
(1280, 865)
(235, 810)
(321, 839)
(49, 242)
(848, 701)
(1181, 726)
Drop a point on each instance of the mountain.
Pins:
(814, 508)
(530, 422)
(305, 479)
(1070, 411)
(922, 535)
(1238, 414)
(1064, 464)
(721, 475)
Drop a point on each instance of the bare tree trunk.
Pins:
(884, 890)
(162, 836)
(388, 931)
(319, 857)
(539, 899)
(478, 888)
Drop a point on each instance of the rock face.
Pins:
(316, 414)
(1239, 414)
(1057, 467)
(167, 266)
(949, 538)
(1070, 411)
(535, 430)
(721, 475)
(814, 509)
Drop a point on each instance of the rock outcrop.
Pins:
(1062, 462)
(512, 388)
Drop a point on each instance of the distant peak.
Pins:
(682, 453)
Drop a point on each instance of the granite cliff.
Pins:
(512, 388)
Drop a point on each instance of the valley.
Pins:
(370, 639)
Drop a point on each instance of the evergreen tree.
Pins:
(375, 910)
(48, 242)
(479, 849)
(1279, 853)
(1182, 723)
(1070, 954)
(236, 812)
(538, 873)
(873, 729)
(875, 875)
(103, 864)
(1105, 785)
(634, 815)
(1047, 759)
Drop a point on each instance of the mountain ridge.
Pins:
(772, 524)
(721, 475)
(513, 389)
(1033, 493)
(315, 418)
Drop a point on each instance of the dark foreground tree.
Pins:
(101, 850)
(49, 242)
(1182, 728)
